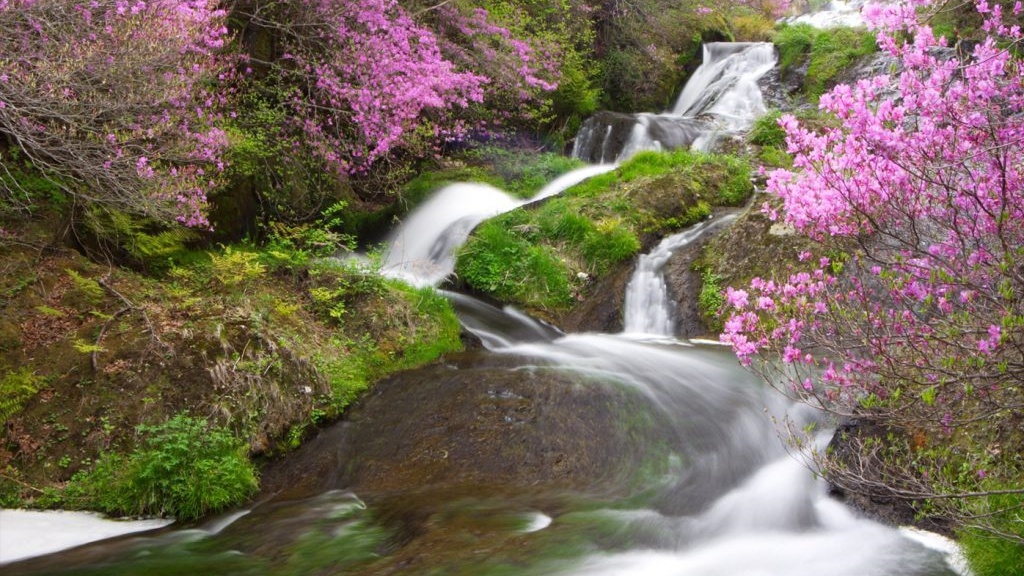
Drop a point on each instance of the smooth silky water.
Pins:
(542, 453)
(713, 491)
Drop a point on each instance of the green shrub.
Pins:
(232, 268)
(17, 388)
(833, 52)
(773, 157)
(512, 267)
(182, 468)
(711, 299)
(609, 243)
(794, 44)
(829, 52)
(766, 130)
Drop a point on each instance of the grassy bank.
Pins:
(230, 353)
(546, 256)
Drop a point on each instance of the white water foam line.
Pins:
(28, 533)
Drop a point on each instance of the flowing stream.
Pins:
(543, 453)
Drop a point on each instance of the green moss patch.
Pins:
(544, 257)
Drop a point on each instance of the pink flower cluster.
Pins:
(366, 79)
(920, 190)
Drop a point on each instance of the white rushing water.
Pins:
(421, 250)
(721, 97)
(28, 533)
(648, 308)
(834, 14)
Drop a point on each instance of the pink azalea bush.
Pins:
(111, 99)
(924, 176)
(911, 314)
(362, 80)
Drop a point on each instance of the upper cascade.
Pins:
(722, 97)
(834, 14)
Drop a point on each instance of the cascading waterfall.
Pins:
(720, 98)
(648, 309)
(421, 250)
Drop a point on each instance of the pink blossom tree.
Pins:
(911, 315)
(356, 81)
(111, 100)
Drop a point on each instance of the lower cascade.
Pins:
(544, 453)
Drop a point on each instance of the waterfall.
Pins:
(727, 77)
(648, 308)
(833, 14)
(722, 97)
(422, 249)
(724, 496)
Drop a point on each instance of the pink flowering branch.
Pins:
(917, 319)
(109, 98)
(359, 81)
(924, 179)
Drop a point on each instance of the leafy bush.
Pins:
(794, 44)
(182, 468)
(16, 388)
(766, 130)
(512, 267)
(833, 51)
(233, 268)
(609, 242)
(710, 299)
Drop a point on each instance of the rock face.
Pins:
(473, 422)
(606, 136)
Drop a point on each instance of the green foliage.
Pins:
(232, 268)
(24, 188)
(991, 556)
(773, 157)
(85, 289)
(608, 243)
(828, 52)
(541, 255)
(766, 130)
(87, 347)
(336, 284)
(509, 265)
(710, 299)
(391, 327)
(17, 388)
(183, 468)
(158, 250)
(833, 52)
(794, 44)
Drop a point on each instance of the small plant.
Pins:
(16, 388)
(766, 130)
(711, 299)
(87, 347)
(182, 468)
(89, 289)
(232, 268)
